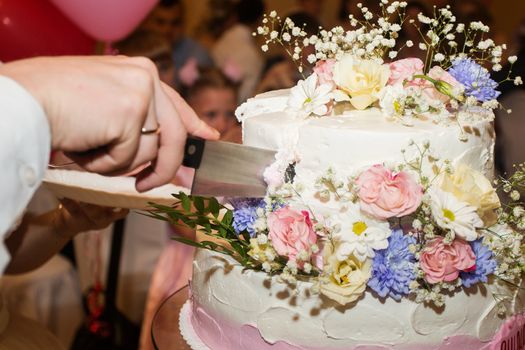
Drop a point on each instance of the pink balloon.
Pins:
(106, 20)
(35, 27)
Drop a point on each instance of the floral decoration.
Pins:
(359, 66)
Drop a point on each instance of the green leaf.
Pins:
(198, 202)
(245, 235)
(214, 207)
(227, 219)
(185, 202)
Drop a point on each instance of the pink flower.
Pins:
(384, 194)
(273, 176)
(324, 70)
(443, 262)
(291, 232)
(439, 73)
(405, 69)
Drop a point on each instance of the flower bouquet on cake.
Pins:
(411, 231)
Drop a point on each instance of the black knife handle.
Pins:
(193, 151)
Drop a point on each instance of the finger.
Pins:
(191, 121)
(171, 145)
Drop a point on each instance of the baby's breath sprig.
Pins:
(446, 40)
(291, 36)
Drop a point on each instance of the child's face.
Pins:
(216, 107)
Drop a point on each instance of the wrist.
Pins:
(24, 74)
(60, 223)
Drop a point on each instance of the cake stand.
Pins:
(165, 331)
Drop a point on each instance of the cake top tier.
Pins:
(366, 66)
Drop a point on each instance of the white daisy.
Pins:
(360, 235)
(450, 213)
(393, 100)
(308, 98)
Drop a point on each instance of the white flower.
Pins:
(360, 235)
(512, 59)
(410, 43)
(393, 100)
(307, 98)
(262, 239)
(439, 57)
(515, 195)
(518, 81)
(264, 48)
(273, 14)
(450, 213)
(497, 67)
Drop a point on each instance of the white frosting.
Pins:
(356, 139)
(300, 318)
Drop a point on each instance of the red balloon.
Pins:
(37, 28)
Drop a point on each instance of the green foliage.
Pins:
(208, 216)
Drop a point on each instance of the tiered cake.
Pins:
(381, 228)
(234, 308)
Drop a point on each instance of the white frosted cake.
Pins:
(381, 228)
(234, 308)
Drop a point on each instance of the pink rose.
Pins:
(405, 69)
(291, 232)
(324, 70)
(443, 262)
(384, 194)
(439, 73)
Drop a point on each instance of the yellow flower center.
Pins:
(397, 107)
(342, 275)
(359, 227)
(449, 214)
(308, 100)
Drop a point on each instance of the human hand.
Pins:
(73, 217)
(97, 107)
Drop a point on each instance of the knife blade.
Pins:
(227, 169)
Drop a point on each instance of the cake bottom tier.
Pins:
(231, 308)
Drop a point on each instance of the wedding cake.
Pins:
(381, 228)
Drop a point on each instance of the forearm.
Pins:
(36, 241)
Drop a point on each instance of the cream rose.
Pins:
(470, 186)
(346, 280)
(359, 81)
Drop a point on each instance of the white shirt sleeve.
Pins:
(25, 145)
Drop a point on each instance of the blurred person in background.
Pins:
(167, 19)
(510, 143)
(237, 52)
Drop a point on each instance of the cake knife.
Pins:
(227, 169)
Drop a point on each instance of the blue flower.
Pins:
(393, 268)
(475, 78)
(245, 214)
(485, 265)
